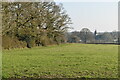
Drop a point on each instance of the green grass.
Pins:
(66, 60)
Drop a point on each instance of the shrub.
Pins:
(9, 43)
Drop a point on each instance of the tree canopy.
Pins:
(41, 23)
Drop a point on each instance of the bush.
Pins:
(9, 43)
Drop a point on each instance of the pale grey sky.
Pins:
(102, 16)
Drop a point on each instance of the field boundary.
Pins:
(104, 43)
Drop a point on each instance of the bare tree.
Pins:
(86, 35)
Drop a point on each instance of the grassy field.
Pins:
(66, 60)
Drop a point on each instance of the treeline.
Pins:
(28, 24)
(86, 36)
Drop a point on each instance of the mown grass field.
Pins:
(66, 60)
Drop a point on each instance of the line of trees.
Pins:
(86, 36)
(27, 24)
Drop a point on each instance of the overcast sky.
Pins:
(102, 16)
